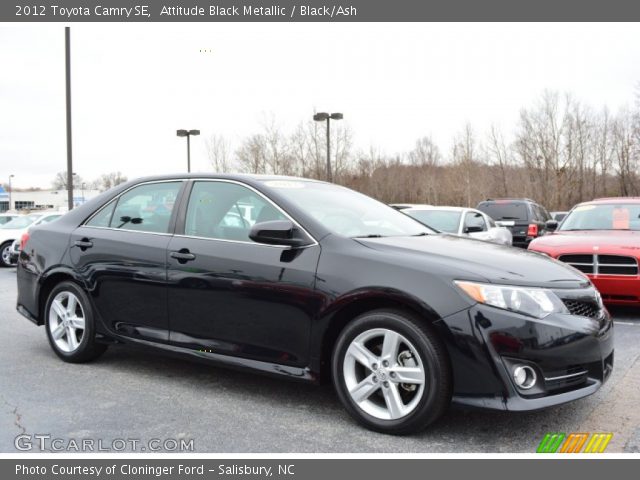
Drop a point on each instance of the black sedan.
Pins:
(309, 280)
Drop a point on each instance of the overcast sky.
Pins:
(133, 85)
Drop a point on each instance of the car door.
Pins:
(230, 295)
(120, 252)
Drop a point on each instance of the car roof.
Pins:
(609, 200)
(432, 207)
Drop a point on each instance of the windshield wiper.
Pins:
(371, 235)
(421, 234)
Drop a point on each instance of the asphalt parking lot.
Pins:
(143, 395)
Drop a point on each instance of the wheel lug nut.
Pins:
(374, 366)
(392, 374)
(375, 379)
(386, 384)
(385, 364)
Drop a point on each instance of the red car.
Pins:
(602, 239)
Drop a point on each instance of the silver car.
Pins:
(461, 221)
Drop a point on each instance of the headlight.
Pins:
(535, 302)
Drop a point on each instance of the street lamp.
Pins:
(188, 134)
(321, 117)
(10, 189)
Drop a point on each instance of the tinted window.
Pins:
(103, 217)
(505, 211)
(442, 220)
(474, 219)
(226, 211)
(146, 208)
(48, 219)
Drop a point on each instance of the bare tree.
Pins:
(218, 153)
(60, 181)
(110, 180)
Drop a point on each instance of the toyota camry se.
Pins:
(308, 280)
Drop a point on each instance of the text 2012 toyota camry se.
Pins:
(309, 280)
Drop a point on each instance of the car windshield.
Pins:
(21, 222)
(505, 210)
(347, 212)
(603, 217)
(442, 220)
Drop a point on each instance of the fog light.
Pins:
(524, 376)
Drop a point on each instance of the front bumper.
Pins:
(618, 289)
(571, 355)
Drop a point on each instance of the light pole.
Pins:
(10, 189)
(188, 134)
(320, 117)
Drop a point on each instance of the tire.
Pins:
(71, 331)
(5, 255)
(379, 400)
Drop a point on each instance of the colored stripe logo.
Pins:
(574, 443)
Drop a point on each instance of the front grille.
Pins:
(584, 309)
(602, 264)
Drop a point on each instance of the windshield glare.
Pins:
(603, 217)
(346, 212)
(21, 222)
(443, 220)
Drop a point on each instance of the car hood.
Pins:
(584, 241)
(493, 262)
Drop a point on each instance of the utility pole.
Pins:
(67, 51)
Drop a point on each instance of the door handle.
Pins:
(83, 244)
(183, 255)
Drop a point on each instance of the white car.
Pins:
(462, 222)
(13, 230)
(7, 217)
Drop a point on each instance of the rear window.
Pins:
(505, 211)
(442, 220)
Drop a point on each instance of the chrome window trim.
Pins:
(117, 198)
(193, 180)
(260, 194)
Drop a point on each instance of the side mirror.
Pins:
(551, 225)
(277, 232)
(473, 229)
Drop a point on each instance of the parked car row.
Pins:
(311, 281)
(16, 231)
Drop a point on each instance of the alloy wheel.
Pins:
(66, 321)
(6, 255)
(384, 374)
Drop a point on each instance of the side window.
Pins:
(226, 211)
(50, 218)
(146, 208)
(474, 221)
(103, 217)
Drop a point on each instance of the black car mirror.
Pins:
(551, 225)
(277, 232)
(473, 229)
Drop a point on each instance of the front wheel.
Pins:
(5, 255)
(70, 324)
(391, 372)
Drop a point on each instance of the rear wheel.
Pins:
(391, 372)
(5, 254)
(70, 324)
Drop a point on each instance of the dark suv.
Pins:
(525, 218)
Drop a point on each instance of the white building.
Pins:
(43, 199)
